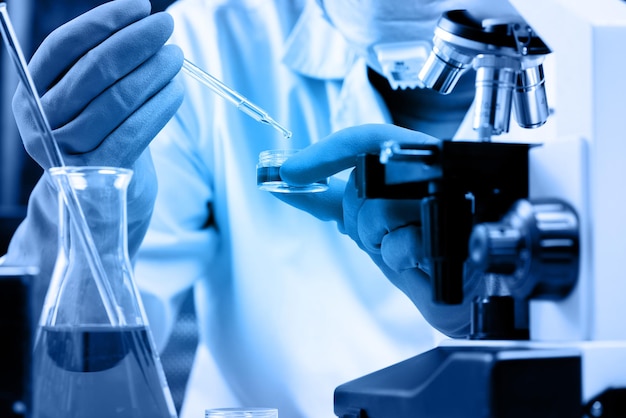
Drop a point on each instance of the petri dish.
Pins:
(268, 174)
(241, 413)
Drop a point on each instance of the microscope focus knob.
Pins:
(535, 248)
(494, 247)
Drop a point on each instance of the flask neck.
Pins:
(105, 219)
(92, 281)
(101, 197)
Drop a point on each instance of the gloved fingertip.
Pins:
(147, 4)
(297, 170)
(140, 6)
(402, 249)
(295, 176)
(166, 21)
(175, 55)
(289, 173)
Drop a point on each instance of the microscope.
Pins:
(540, 224)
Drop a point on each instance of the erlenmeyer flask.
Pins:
(94, 355)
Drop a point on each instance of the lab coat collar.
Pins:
(315, 49)
(358, 102)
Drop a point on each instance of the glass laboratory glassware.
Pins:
(94, 355)
(268, 174)
(241, 413)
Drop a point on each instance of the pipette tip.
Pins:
(286, 133)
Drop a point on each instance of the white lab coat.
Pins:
(288, 308)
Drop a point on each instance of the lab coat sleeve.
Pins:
(34, 243)
(181, 238)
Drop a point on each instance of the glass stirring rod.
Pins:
(243, 104)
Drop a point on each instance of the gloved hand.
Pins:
(107, 86)
(390, 231)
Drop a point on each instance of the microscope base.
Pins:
(469, 382)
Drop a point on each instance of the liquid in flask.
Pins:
(94, 355)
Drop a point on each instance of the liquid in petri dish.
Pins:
(98, 372)
(268, 174)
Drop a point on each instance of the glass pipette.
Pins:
(243, 104)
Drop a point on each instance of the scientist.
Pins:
(287, 307)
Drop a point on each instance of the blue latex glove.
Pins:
(388, 230)
(105, 80)
(107, 86)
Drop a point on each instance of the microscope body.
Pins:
(586, 165)
(544, 220)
